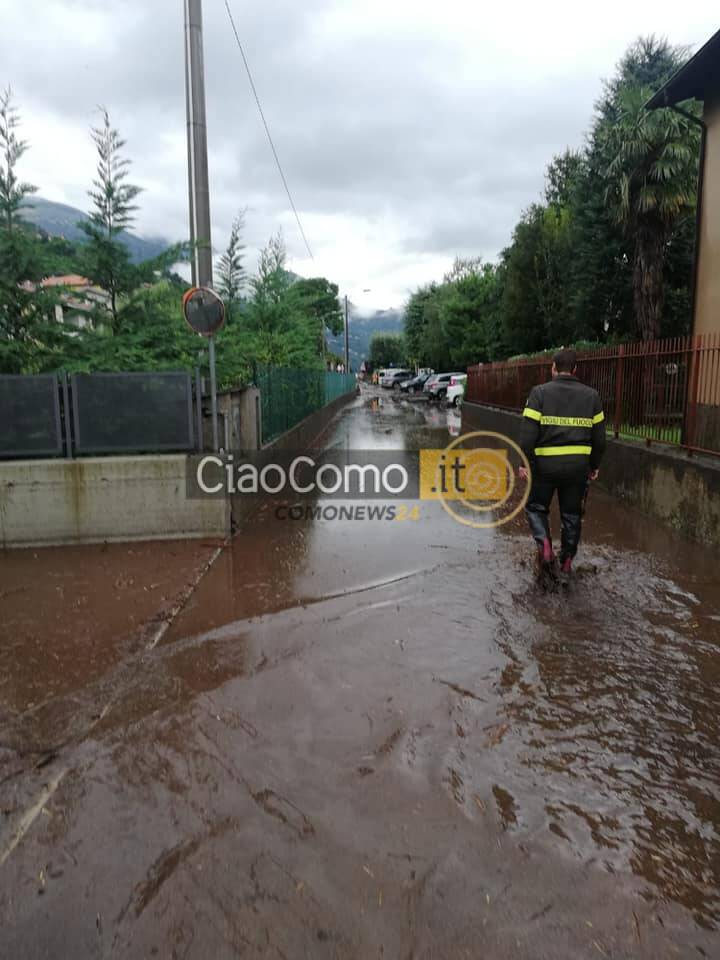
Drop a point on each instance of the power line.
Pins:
(267, 128)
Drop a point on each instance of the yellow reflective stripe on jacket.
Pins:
(547, 421)
(562, 451)
(566, 421)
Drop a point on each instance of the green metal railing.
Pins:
(288, 395)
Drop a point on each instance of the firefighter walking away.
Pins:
(563, 438)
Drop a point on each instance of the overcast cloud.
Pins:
(410, 131)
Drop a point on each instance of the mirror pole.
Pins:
(199, 183)
(213, 393)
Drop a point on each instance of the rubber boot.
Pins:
(565, 572)
(545, 568)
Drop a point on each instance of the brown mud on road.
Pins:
(70, 615)
(370, 739)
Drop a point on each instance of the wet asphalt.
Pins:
(360, 739)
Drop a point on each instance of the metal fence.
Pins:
(45, 416)
(660, 391)
(288, 395)
(30, 416)
(132, 412)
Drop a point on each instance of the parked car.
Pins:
(437, 386)
(456, 390)
(415, 384)
(393, 378)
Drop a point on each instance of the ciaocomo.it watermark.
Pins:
(475, 478)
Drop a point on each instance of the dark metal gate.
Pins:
(99, 413)
(132, 412)
(30, 417)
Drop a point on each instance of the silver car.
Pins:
(393, 378)
(439, 385)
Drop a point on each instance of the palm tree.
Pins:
(651, 186)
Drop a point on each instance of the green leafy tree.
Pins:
(459, 322)
(107, 259)
(387, 349)
(20, 263)
(679, 264)
(314, 302)
(58, 256)
(161, 267)
(19, 268)
(523, 321)
(153, 336)
(471, 316)
(437, 345)
(604, 246)
(14, 192)
(573, 198)
(628, 217)
(428, 340)
(600, 272)
(462, 268)
(647, 63)
(459, 311)
(232, 278)
(606, 254)
(318, 299)
(415, 322)
(284, 320)
(581, 265)
(561, 177)
(553, 273)
(270, 315)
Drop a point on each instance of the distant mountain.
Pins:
(60, 220)
(362, 330)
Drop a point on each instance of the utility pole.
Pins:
(198, 178)
(347, 336)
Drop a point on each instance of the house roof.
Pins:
(695, 81)
(70, 280)
(81, 306)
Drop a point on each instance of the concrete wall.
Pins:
(49, 502)
(110, 498)
(239, 424)
(681, 492)
(241, 411)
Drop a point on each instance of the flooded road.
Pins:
(355, 739)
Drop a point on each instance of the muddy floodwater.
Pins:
(362, 739)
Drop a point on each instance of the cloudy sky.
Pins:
(410, 130)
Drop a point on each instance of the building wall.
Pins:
(707, 304)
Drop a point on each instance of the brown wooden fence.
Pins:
(659, 391)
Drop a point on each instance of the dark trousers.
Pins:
(571, 493)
